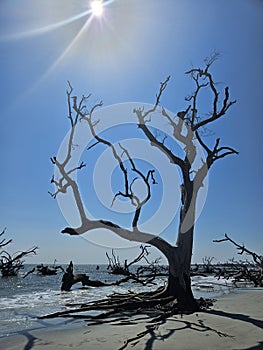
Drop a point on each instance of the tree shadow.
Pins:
(256, 347)
(240, 317)
(155, 334)
(30, 340)
(153, 331)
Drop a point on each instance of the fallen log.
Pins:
(69, 279)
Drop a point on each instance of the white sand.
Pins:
(235, 322)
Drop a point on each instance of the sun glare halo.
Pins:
(96, 8)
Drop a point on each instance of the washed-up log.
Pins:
(69, 279)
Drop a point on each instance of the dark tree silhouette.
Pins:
(257, 259)
(4, 242)
(251, 271)
(11, 264)
(117, 268)
(189, 128)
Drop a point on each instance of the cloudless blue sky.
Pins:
(122, 57)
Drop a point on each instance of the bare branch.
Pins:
(207, 149)
(147, 185)
(204, 79)
(69, 92)
(183, 133)
(4, 242)
(19, 255)
(66, 181)
(82, 165)
(216, 154)
(11, 264)
(163, 86)
(211, 59)
(160, 145)
(141, 115)
(3, 232)
(258, 259)
(231, 151)
(93, 145)
(150, 174)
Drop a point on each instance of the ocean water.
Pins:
(23, 300)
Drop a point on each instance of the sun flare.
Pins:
(96, 8)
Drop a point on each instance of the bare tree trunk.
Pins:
(179, 280)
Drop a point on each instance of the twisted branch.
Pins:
(258, 259)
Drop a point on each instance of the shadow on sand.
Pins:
(199, 326)
(152, 330)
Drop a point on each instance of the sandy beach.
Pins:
(234, 322)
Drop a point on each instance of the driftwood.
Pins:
(258, 259)
(69, 279)
(44, 270)
(207, 264)
(29, 272)
(117, 268)
(144, 274)
(240, 271)
(11, 264)
(243, 270)
(47, 271)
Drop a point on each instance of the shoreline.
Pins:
(234, 322)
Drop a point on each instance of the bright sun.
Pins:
(96, 8)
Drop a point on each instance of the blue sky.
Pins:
(122, 57)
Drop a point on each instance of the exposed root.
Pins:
(118, 304)
(118, 309)
(113, 306)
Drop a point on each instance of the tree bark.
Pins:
(179, 257)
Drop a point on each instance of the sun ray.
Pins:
(50, 27)
(68, 48)
(72, 43)
(39, 31)
(46, 29)
(47, 73)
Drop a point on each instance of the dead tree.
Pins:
(188, 128)
(207, 264)
(258, 259)
(11, 264)
(243, 270)
(144, 274)
(117, 268)
(4, 242)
